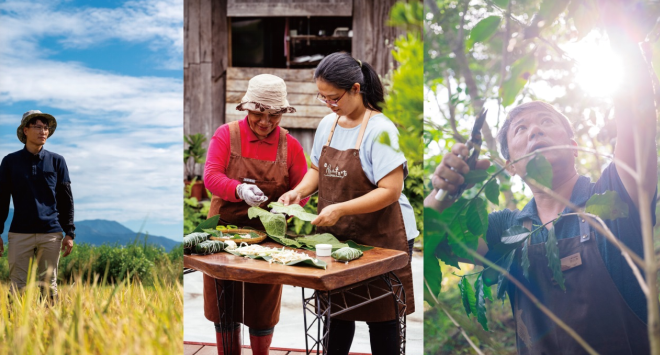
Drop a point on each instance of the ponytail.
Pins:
(342, 71)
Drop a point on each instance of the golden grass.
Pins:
(89, 318)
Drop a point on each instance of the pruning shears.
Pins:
(474, 147)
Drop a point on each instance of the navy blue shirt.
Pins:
(40, 187)
(627, 230)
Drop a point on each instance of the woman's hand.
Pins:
(290, 198)
(329, 216)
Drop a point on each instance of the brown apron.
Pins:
(341, 178)
(591, 305)
(262, 302)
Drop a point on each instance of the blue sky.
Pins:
(111, 72)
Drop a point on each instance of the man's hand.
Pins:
(2, 247)
(67, 245)
(448, 175)
(251, 194)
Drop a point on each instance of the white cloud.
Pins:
(121, 135)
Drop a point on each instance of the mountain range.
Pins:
(101, 231)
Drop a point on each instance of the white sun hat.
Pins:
(266, 93)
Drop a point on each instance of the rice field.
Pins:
(93, 318)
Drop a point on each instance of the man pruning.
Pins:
(603, 301)
(37, 181)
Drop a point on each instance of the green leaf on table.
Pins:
(520, 72)
(524, 259)
(607, 205)
(481, 302)
(475, 176)
(477, 217)
(539, 169)
(467, 296)
(213, 232)
(291, 243)
(552, 253)
(307, 262)
(309, 242)
(210, 223)
(274, 223)
(503, 281)
(292, 210)
(483, 30)
(492, 191)
(355, 245)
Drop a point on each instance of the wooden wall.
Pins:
(212, 88)
(205, 62)
(258, 8)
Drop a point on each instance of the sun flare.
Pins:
(599, 70)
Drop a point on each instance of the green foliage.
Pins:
(195, 153)
(475, 176)
(521, 70)
(552, 252)
(492, 192)
(404, 98)
(467, 296)
(477, 217)
(539, 169)
(483, 30)
(481, 295)
(607, 205)
(194, 212)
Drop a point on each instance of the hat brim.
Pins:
(257, 106)
(52, 125)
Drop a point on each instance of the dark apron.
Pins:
(591, 305)
(341, 178)
(262, 301)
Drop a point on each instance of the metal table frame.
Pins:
(319, 310)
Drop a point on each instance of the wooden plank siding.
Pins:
(212, 88)
(258, 8)
(206, 60)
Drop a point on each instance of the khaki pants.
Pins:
(44, 248)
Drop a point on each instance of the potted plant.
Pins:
(193, 155)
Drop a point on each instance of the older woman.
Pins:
(250, 163)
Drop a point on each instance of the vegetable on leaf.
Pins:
(346, 254)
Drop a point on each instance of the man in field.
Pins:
(37, 181)
(603, 301)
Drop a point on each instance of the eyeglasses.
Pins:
(332, 103)
(40, 128)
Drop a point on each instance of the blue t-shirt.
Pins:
(377, 159)
(627, 230)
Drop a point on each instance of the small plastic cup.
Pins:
(323, 249)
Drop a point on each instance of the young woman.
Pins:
(359, 181)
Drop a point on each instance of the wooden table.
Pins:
(338, 278)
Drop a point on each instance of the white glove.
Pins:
(250, 194)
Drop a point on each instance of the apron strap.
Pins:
(235, 138)
(363, 128)
(282, 148)
(332, 131)
(585, 229)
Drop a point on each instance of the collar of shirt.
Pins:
(579, 197)
(39, 155)
(271, 139)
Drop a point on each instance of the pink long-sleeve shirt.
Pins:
(215, 177)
